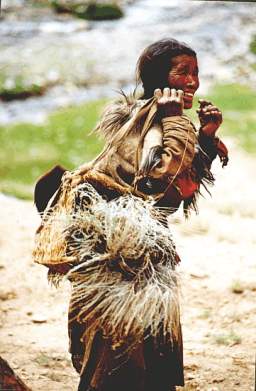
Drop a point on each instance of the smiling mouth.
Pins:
(189, 94)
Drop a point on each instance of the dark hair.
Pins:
(154, 64)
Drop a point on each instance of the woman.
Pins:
(154, 152)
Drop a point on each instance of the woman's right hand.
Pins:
(170, 101)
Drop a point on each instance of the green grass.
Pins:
(228, 339)
(238, 104)
(27, 150)
(253, 45)
(18, 88)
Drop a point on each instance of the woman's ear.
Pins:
(46, 186)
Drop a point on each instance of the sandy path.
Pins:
(218, 257)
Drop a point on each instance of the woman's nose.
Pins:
(193, 82)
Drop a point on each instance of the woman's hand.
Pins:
(210, 117)
(170, 101)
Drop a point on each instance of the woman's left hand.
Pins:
(210, 117)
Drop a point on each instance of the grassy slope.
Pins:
(238, 104)
(28, 150)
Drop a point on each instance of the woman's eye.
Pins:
(183, 71)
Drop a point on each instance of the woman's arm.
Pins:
(175, 138)
(210, 119)
(176, 141)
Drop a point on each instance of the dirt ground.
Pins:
(218, 300)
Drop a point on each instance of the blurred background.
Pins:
(61, 60)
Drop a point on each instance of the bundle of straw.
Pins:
(122, 264)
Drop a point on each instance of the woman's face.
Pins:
(183, 76)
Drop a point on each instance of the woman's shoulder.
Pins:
(124, 105)
(117, 113)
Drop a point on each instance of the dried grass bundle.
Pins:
(122, 264)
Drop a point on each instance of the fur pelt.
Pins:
(115, 116)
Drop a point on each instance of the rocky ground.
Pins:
(218, 291)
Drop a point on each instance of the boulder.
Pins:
(91, 9)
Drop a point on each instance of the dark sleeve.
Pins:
(208, 146)
(211, 147)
